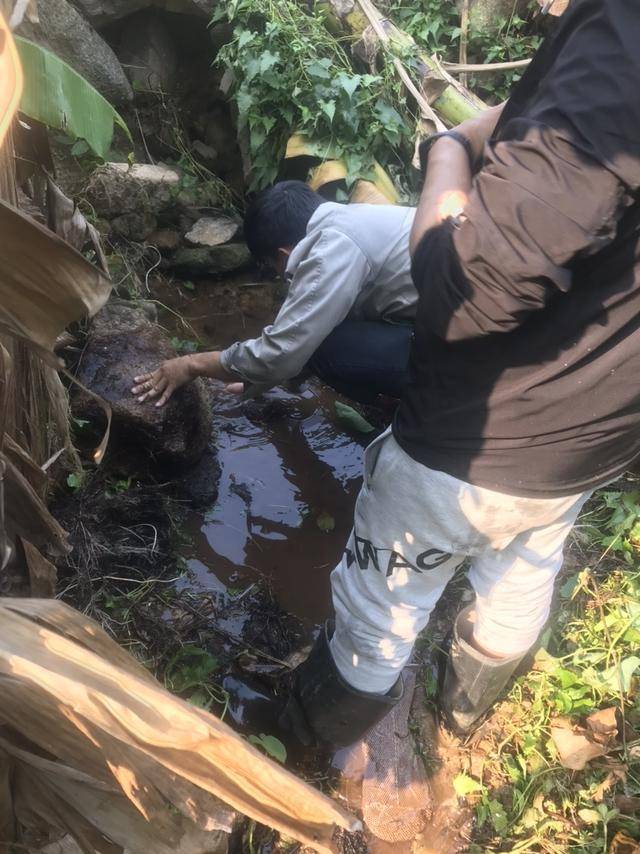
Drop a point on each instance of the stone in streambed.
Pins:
(212, 231)
(212, 261)
(122, 344)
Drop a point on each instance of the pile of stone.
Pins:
(150, 204)
(153, 60)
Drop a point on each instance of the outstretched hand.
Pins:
(162, 383)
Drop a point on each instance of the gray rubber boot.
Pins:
(472, 681)
(324, 706)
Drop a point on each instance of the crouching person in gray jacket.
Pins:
(350, 306)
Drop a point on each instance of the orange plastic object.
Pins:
(10, 79)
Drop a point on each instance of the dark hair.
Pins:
(279, 217)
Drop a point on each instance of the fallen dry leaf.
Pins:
(623, 844)
(575, 749)
(601, 790)
(603, 723)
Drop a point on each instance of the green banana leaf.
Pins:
(60, 98)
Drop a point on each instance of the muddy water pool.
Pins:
(290, 473)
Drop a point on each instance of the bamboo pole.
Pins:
(451, 101)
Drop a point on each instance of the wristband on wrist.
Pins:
(425, 147)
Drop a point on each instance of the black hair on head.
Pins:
(279, 217)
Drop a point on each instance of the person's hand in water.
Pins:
(174, 373)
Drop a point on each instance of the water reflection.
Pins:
(285, 462)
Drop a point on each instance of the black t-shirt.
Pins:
(526, 360)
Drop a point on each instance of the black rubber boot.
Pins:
(472, 681)
(324, 707)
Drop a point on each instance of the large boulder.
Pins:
(122, 344)
(148, 53)
(65, 32)
(101, 12)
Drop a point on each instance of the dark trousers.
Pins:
(363, 359)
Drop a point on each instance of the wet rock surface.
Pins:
(122, 344)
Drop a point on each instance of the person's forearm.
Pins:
(446, 187)
(209, 365)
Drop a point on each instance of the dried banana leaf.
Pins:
(99, 716)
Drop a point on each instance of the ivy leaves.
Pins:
(292, 76)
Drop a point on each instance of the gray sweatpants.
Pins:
(413, 528)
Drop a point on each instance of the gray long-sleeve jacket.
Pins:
(354, 262)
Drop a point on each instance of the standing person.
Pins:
(350, 306)
(524, 391)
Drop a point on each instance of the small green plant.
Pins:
(117, 486)
(75, 480)
(271, 745)
(189, 668)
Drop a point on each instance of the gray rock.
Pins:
(123, 343)
(117, 188)
(165, 239)
(101, 12)
(134, 225)
(64, 31)
(213, 261)
(212, 231)
(148, 53)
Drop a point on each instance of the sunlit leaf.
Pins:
(465, 785)
(60, 98)
(271, 745)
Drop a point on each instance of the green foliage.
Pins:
(590, 661)
(435, 25)
(271, 745)
(189, 668)
(60, 98)
(75, 480)
(292, 76)
(351, 419)
(326, 522)
(613, 522)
